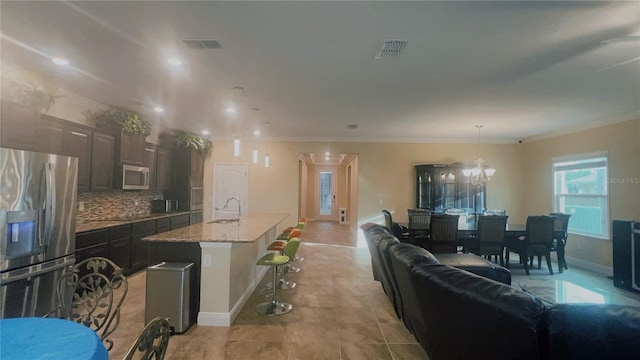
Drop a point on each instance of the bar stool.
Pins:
(273, 307)
(289, 249)
(278, 245)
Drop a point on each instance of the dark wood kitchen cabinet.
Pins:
(103, 160)
(61, 137)
(163, 168)
(139, 248)
(150, 159)
(440, 187)
(91, 244)
(131, 149)
(120, 246)
(18, 124)
(179, 221)
(189, 167)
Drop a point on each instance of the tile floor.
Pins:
(339, 312)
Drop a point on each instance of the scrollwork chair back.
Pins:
(91, 294)
(152, 342)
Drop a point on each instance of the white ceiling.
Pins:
(522, 69)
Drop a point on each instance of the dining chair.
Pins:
(443, 234)
(396, 229)
(490, 238)
(419, 218)
(560, 226)
(152, 342)
(91, 294)
(537, 241)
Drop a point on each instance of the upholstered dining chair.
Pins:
(91, 294)
(419, 218)
(560, 226)
(443, 234)
(490, 240)
(537, 241)
(152, 342)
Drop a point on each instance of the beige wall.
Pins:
(622, 142)
(385, 174)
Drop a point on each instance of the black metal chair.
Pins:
(537, 241)
(490, 240)
(443, 234)
(91, 294)
(152, 342)
(396, 229)
(560, 225)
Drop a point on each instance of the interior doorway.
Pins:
(328, 187)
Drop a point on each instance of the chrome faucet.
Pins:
(226, 204)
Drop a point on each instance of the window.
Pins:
(580, 189)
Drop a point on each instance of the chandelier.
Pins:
(481, 173)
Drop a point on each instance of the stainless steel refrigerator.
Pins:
(37, 229)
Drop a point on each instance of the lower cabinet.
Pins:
(139, 248)
(120, 246)
(92, 244)
(179, 221)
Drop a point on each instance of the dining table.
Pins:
(49, 338)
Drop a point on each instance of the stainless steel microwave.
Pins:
(135, 177)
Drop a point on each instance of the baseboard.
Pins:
(226, 319)
(602, 269)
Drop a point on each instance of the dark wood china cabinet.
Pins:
(440, 187)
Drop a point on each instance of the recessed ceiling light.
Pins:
(205, 132)
(326, 154)
(230, 110)
(256, 132)
(60, 61)
(174, 61)
(158, 109)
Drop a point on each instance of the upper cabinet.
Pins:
(132, 149)
(18, 124)
(57, 136)
(440, 187)
(189, 166)
(103, 158)
(163, 169)
(150, 159)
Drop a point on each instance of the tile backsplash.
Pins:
(103, 205)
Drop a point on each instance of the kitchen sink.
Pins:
(223, 221)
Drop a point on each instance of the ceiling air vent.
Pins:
(203, 44)
(352, 126)
(391, 48)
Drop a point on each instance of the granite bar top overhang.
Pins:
(249, 229)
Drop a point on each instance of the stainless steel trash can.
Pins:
(168, 294)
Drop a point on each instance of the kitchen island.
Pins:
(225, 256)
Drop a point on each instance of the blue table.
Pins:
(40, 338)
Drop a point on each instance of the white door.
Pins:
(326, 194)
(229, 181)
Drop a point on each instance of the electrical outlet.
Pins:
(80, 205)
(206, 260)
(380, 202)
(137, 202)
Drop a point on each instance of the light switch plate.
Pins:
(80, 205)
(206, 260)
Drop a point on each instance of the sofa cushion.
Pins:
(588, 331)
(370, 230)
(477, 265)
(387, 242)
(403, 258)
(472, 317)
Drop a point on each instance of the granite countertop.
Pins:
(88, 225)
(249, 229)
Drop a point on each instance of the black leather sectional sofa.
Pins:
(473, 313)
